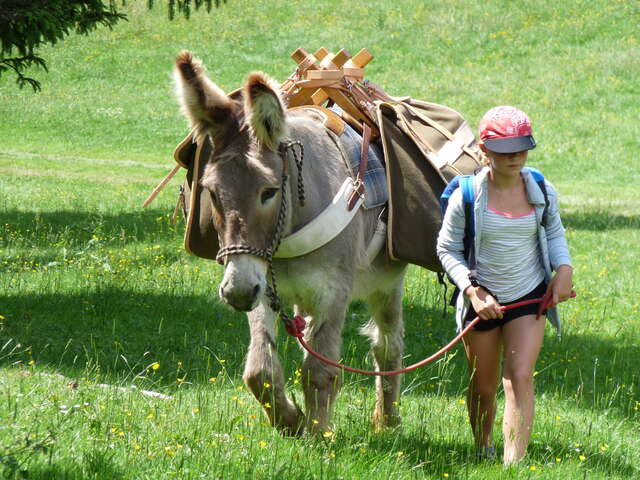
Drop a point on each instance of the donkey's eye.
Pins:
(268, 194)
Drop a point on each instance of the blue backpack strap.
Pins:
(539, 179)
(447, 192)
(468, 198)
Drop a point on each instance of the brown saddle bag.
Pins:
(200, 237)
(425, 146)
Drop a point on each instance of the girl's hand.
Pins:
(483, 303)
(560, 285)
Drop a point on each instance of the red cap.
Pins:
(506, 130)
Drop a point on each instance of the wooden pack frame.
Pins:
(323, 77)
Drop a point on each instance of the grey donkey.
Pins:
(244, 176)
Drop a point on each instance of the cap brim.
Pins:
(510, 144)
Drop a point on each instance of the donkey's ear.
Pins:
(264, 109)
(206, 106)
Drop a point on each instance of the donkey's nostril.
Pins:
(256, 291)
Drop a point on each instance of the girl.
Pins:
(515, 256)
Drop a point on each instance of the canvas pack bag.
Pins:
(425, 145)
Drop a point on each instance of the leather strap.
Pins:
(364, 152)
(359, 188)
(431, 122)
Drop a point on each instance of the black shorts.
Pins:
(508, 315)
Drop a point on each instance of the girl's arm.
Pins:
(451, 254)
(559, 256)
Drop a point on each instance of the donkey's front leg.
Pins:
(263, 373)
(321, 382)
(386, 331)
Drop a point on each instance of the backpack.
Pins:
(465, 183)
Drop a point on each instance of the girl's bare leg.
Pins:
(483, 357)
(522, 338)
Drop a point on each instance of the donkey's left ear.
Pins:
(265, 109)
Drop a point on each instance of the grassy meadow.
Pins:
(99, 303)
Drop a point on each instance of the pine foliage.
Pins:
(26, 25)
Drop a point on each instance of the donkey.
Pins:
(244, 177)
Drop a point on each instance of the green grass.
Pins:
(95, 291)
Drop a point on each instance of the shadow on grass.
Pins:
(121, 332)
(599, 220)
(457, 457)
(75, 228)
(597, 372)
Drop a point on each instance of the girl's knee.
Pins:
(517, 379)
(483, 392)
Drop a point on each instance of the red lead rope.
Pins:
(295, 329)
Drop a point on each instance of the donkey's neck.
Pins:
(323, 171)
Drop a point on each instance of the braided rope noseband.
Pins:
(267, 253)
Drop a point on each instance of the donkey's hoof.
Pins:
(291, 430)
(292, 424)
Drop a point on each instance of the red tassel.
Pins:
(296, 326)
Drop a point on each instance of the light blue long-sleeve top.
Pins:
(553, 245)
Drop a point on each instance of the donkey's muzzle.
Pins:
(243, 300)
(244, 281)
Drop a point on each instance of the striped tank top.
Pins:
(509, 259)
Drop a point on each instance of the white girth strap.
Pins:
(322, 229)
(377, 241)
